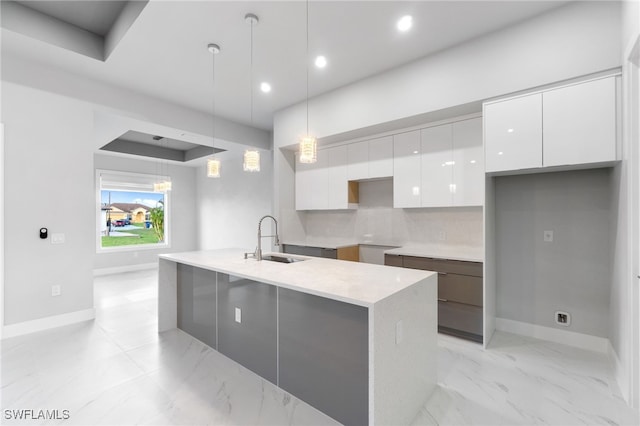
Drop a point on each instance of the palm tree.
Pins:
(156, 215)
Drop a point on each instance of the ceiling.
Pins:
(164, 52)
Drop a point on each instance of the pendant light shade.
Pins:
(251, 160)
(213, 168)
(308, 149)
(213, 164)
(308, 143)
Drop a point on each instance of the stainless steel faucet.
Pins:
(258, 253)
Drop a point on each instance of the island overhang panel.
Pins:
(368, 330)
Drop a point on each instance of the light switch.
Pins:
(238, 315)
(57, 238)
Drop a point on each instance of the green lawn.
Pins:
(143, 236)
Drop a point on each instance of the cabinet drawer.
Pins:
(454, 317)
(460, 288)
(392, 260)
(443, 265)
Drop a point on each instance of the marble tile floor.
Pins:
(117, 370)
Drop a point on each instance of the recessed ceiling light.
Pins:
(265, 87)
(405, 23)
(321, 61)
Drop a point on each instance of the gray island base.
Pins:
(356, 341)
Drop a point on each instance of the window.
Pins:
(131, 215)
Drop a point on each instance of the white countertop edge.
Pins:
(219, 267)
(434, 253)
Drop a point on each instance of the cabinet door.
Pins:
(358, 160)
(513, 134)
(247, 324)
(303, 182)
(196, 303)
(324, 354)
(437, 166)
(381, 157)
(338, 196)
(406, 170)
(319, 182)
(468, 168)
(580, 123)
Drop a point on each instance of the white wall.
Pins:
(229, 207)
(624, 322)
(574, 40)
(182, 210)
(48, 170)
(536, 278)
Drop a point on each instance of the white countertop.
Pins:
(329, 243)
(464, 253)
(352, 282)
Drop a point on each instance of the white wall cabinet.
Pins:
(566, 126)
(370, 159)
(323, 185)
(407, 170)
(437, 166)
(513, 133)
(468, 158)
(580, 123)
(452, 165)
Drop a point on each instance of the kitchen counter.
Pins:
(357, 283)
(356, 341)
(464, 253)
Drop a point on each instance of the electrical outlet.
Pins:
(563, 318)
(548, 236)
(56, 290)
(238, 315)
(399, 332)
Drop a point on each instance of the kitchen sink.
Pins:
(282, 259)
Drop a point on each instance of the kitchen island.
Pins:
(356, 341)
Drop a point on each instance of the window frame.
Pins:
(166, 244)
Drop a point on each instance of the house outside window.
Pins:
(131, 215)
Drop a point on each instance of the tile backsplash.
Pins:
(377, 222)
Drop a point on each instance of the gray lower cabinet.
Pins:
(310, 251)
(324, 354)
(196, 308)
(460, 293)
(252, 341)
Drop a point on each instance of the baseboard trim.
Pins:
(619, 373)
(570, 338)
(46, 323)
(122, 269)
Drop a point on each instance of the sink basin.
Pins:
(282, 259)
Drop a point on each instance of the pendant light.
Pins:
(251, 161)
(213, 164)
(308, 144)
(165, 184)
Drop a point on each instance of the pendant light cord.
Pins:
(251, 73)
(307, 66)
(213, 102)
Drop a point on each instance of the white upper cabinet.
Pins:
(468, 159)
(580, 123)
(407, 170)
(381, 157)
(565, 126)
(370, 159)
(437, 166)
(337, 179)
(358, 160)
(513, 133)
